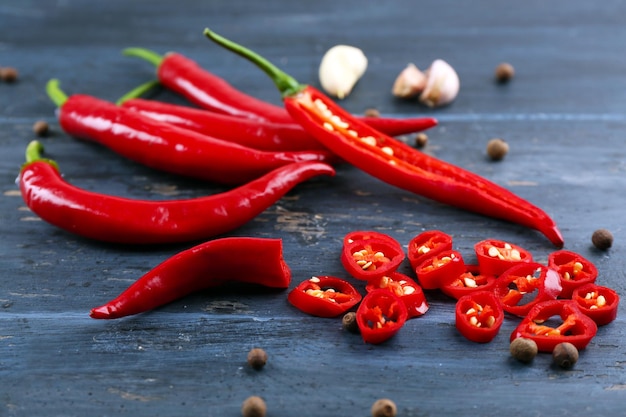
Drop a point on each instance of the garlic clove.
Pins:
(442, 84)
(409, 83)
(341, 67)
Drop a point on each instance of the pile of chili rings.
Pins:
(555, 303)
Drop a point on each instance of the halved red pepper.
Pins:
(404, 287)
(468, 282)
(574, 270)
(496, 256)
(526, 284)
(380, 316)
(368, 259)
(427, 244)
(324, 296)
(575, 327)
(479, 316)
(597, 302)
(440, 270)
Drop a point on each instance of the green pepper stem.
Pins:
(138, 91)
(287, 85)
(145, 54)
(55, 93)
(33, 154)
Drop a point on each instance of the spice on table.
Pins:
(523, 349)
(348, 322)
(253, 406)
(479, 316)
(391, 160)
(421, 140)
(602, 239)
(249, 260)
(8, 74)
(565, 355)
(41, 128)
(504, 72)
(324, 296)
(122, 220)
(257, 358)
(371, 112)
(384, 407)
(340, 69)
(497, 149)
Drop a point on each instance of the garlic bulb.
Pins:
(442, 84)
(341, 67)
(409, 83)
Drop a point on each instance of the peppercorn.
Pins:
(41, 128)
(349, 322)
(253, 407)
(421, 139)
(257, 358)
(565, 355)
(8, 74)
(523, 349)
(384, 408)
(602, 239)
(504, 72)
(497, 149)
(372, 113)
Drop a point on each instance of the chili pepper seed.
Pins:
(602, 239)
(523, 349)
(384, 408)
(497, 149)
(565, 355)
(253, 406)
(257, 358)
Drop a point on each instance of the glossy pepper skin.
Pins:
(368, 259)
(440, 270)
(392, 161)
(165, 147)
(479, 316)
(380, 316)
(406, 289)
(597, 302)
(574, 270)
(575, 327)
(496, 256)
(324, 296)
(211, 92)
(234, 259)
(122, 220)
(468, 282)
(426, 245)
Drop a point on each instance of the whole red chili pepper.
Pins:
(165, 147)
(404, 287)
(597, 302)
(573, 327)
(115, 219)
(392, 161)
(496, 256)
(479, 316)
(574, 270)
(235, 259)
(380, 316)
(212, 92)
(324, 296)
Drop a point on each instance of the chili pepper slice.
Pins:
(574, 326)
(368, 259)
(370, 234)
(404, 287)
(427, 244)
(392, 161)
(468, 282)
(324, 296)
(211, 92)
(439, 270)
(496, 256)
(123, 220)
(524, 285)
(574, 270)
(165, 147)
(248, 260)
(380, 316)
(479, 316)
(597, 302)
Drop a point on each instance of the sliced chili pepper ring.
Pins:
(597, 302)
(496, 256)
(574, 270)
(575, 327)
(440, 270)
(324, 296)
(373, 258)
(427, 244)
(404, 287)
(468, 282)
(479, 316)
(380, 316)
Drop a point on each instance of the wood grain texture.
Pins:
(562, 116)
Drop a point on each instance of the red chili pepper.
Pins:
(169, 148)
(573, 327)
(380, 316)
(115, 219)
(597, 302)
(368, 259)
(524, 285)
(211, 92)
(439, 270)
(235, 259)
(574, 270)
(324, 296)
(496, 256)
(427, 244)
(370, 234)
(468, 282)
(404, 287)
(479, 316)
(392, 161)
